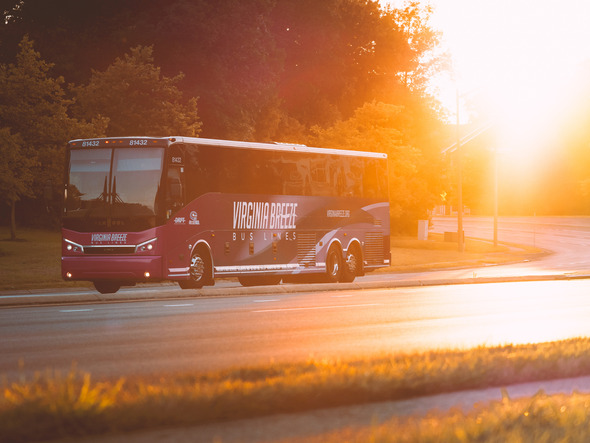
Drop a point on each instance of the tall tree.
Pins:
(229, 56)
(291, 60)
(76, 36)
(341, 54)
(137, 99)
(16, 177)
(34, 109)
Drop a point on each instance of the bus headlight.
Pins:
(146, 246)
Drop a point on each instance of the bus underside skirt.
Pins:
(236, 270)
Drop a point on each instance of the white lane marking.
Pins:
(343, 296)
(264, 301)
(76, 310)
(319, 307)
(179, 305)
(53, 294)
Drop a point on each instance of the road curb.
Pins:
(171, 291)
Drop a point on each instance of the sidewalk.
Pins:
(315, 423)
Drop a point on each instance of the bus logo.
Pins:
(114, 237)
(194, 219)
(264, 215)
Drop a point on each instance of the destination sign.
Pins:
(120, 142)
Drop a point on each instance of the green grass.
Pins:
(34, 260)
(72, 405)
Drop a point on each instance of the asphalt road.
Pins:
(122, 339)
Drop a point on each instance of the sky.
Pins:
(524, 56)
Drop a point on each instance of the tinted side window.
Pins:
(255, 171)
(200, 171)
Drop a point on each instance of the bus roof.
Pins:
(165, 141)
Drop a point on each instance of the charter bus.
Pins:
(152, 209)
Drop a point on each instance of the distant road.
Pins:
(568, 238)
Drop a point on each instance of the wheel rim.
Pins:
(197, 268)
(351, 262)
(333, 265)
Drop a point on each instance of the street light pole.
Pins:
(460, 239)
(495, 196)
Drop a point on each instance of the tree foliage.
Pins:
(16, 175)
(137, 99)
(35, 125)
(285, 70)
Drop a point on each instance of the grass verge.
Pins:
(34, 261)
(541, 418)
(69, 406)
(410, 254)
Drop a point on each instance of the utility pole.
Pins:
(460, 239)
(495, 196)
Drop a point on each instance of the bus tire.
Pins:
(200, 269)
(352, 265)
(107, 287)
(333, 264)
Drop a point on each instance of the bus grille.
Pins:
(109, 250)
(306, 249)
(374, 248)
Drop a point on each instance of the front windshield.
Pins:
(113, 189)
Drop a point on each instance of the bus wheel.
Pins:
(351, 265)
(107, 287)
(259, 280)
(333, 265)
(200, 269)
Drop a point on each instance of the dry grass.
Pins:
(411, 254)
(31, 262)
(55, 406)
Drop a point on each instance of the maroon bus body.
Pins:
(259, 238)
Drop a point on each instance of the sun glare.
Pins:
(519, 58)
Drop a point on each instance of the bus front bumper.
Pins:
(131, 269)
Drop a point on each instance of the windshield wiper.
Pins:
(105, 194)
(116, 198)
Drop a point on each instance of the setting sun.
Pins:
(521, 68)
(520, 58)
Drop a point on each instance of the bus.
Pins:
(190, 210)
